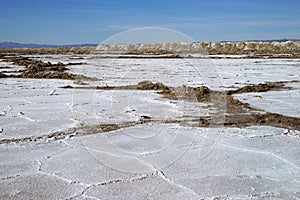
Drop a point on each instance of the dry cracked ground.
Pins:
(85, 127)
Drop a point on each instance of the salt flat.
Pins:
(156, 158)
(281, 102)
(176, 72)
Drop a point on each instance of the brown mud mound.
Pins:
(3, 75)
(236, 112)
(201, 94)
(148, 85)
(144, 85)
(231, 112)
(242, 114)
(261, 87)
(39, 69)
(48, 75)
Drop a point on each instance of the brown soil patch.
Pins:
(144, 85)
(237, 113)
(148, 85)
(3, 75)
(39, 69)
(73, 132)
(234, 112)
(261, 87)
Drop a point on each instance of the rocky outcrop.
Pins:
(252, 49)
(211, 48)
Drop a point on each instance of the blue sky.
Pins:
(81, 21)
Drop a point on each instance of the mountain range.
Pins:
(21, 45)
(275, 40)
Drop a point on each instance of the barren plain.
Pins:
(155, 124)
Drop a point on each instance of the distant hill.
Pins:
(281, 40)
(20, 45)
(254, 49)
(275, 40)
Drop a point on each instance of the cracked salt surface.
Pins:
(30, 110)
(217, 73)
(258, 162)
(238, 165)
(31, 107)
(37, 187)
(280, 102)
(191, 72)
(120, 106)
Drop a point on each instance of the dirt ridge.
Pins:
(237, 113)
(39, 69)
